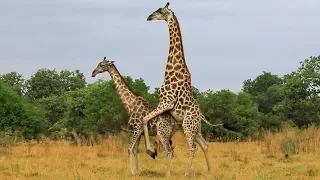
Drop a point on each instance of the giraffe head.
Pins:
(161, 14)
(103, 66)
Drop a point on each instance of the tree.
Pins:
(140, 87)
(96, 109)
(72, 80)
(54, 107)
(195, 91)
(105, 109)
(265, 91)
(45, 83)
(237, 112)
(301, 102)
(153, 97)
(15, 81)
(18, 117)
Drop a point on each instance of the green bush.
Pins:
(17, 117)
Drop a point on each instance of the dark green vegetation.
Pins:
(62, 105)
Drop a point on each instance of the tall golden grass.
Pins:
(292, 154)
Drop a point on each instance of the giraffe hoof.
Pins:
(152, 154)
(155, 152)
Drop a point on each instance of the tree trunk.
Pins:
(76, 137)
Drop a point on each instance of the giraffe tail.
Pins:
(207, 122)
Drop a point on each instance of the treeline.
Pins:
(62, 105)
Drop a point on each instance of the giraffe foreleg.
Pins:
(165, 133)
(135, 152)
(162, 107)
(131, 150)
(165, 141)
(204, 146)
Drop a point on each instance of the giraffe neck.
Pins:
(125, 93)
(176, 60)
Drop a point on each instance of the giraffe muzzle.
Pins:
(93, 74)
(149, 18)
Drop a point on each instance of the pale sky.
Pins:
(225, 41)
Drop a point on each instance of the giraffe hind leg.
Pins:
(189, 129)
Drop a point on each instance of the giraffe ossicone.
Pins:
(164, 125)
(175, 94)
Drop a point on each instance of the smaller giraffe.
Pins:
(164, 126)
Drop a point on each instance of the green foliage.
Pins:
(98, 107)
(17, 116)
(153, 97)
(301, 101)
(72, 80)
(195, 91)
(15, 81)
(271, 122)
(45, 83)
(63, 102)
(140, 87)
(237, 112)
(74, 116)
(261, 83)
(247, 113)
(54, 107)
(105, 110)
(265, 91)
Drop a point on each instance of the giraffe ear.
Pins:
(111, 62)
(167, 5)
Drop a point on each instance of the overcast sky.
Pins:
(225, 41)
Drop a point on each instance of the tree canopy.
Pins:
(52, 102)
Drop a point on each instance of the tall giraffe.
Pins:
(175, 94)
(164, 126)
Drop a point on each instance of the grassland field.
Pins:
(292, 154)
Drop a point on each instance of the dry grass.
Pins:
(245, 160)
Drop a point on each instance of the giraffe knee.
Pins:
(130, 150)
(192, 151)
